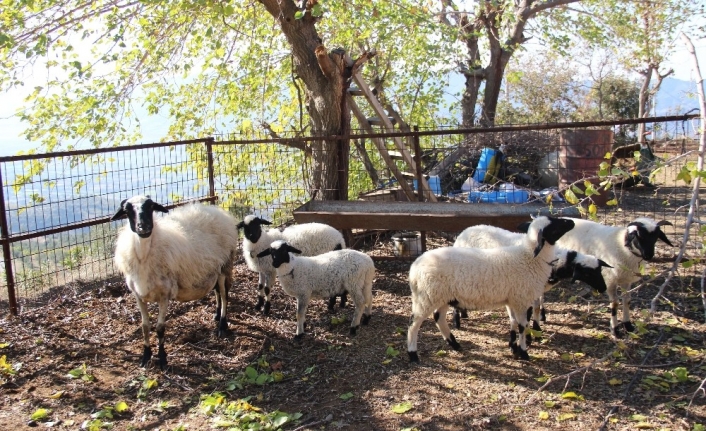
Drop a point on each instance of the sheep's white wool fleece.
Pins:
(480, 278)
(310, 238)
(327, 274)
(608, 243)
(182, 257)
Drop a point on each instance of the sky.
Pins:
(155, 127)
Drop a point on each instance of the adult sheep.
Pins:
(476, 279)
(567, 264)
(180, 256)
(311, 238)
(625, 248)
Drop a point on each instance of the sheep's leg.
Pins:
(161, 318)
(216, 289)
(331, 303)
(224, 280)
(612, 297)
(443, 325)
(415, 323)
(625, 298)
(368, 295)
(344, 298)
(146, 351)
(265, 281)
(360, 303)
(302, 305)
(534, 311)
(518, 320)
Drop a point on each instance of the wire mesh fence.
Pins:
(56, 227)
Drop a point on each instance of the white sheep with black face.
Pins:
(311, 238)
(567, 264)
(477, 279)
(324, 276)
(625, 248)
(180, 256)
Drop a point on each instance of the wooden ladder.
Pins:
(390, 157)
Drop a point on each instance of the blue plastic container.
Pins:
(486, 155)
(501, 197)
(434, 184)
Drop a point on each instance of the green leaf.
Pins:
(682, 374)
(298, 15)
(565, 417)
(402, 407)
(543, 415)
(40, 415)
(149, 384)
(391, 352)
(346, 396)
(638, 418)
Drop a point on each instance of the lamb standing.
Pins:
(567, 264)
(311, 238)
(625, 248)
(475, 279)
(324, 276)
(180, 256)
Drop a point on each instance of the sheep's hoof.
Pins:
(354, 329)
(453, 343)
(518, 353)
(331, 303)
(162, 355)
(146, 356)
(524, 356)
(299, 337)
(413, 357)
(260, 302)
(543, 313)
(222, 328)
(617, 333)
(266, 310)
(366, 319)
(629, 326)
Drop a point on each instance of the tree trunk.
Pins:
(324, 86)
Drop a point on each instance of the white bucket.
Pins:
(407, 243)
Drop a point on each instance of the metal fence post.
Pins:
(6, 250)
(211, 176)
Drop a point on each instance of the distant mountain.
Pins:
(676, 97)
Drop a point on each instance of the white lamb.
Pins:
(625, 248)
(180, 256)
(475, 279)
(324, 276)
(567, 264)
(311, 238)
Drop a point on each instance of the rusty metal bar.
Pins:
(6, 250)
(211, 175)
(97, 150)
(437, 132)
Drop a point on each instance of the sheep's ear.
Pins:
(540, 242)
(603, 263)
(663, 237)
(263, 221)
(264, 253)
(293, 249)
(121, 211)
(664, 223)
(158, 207)
(524, 227)
(240, 225)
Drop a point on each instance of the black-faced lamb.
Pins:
(311, 238)
(324, 276)
(476, 279)
(180, 256)
(625, 248)
(567, 264)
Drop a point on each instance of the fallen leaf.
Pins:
(402, 407)
(543, 415)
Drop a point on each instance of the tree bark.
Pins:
(324, 86)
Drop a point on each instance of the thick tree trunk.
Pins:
(324, 84)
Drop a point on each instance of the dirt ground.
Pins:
(71, 361)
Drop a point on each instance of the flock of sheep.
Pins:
(190, 251)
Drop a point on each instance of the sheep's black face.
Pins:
(641, 238)
(591, 276)
(556, 228)
(279, 256)
(140, 213)
(252, 228)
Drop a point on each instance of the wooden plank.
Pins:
(421, 216)
(380, 144)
